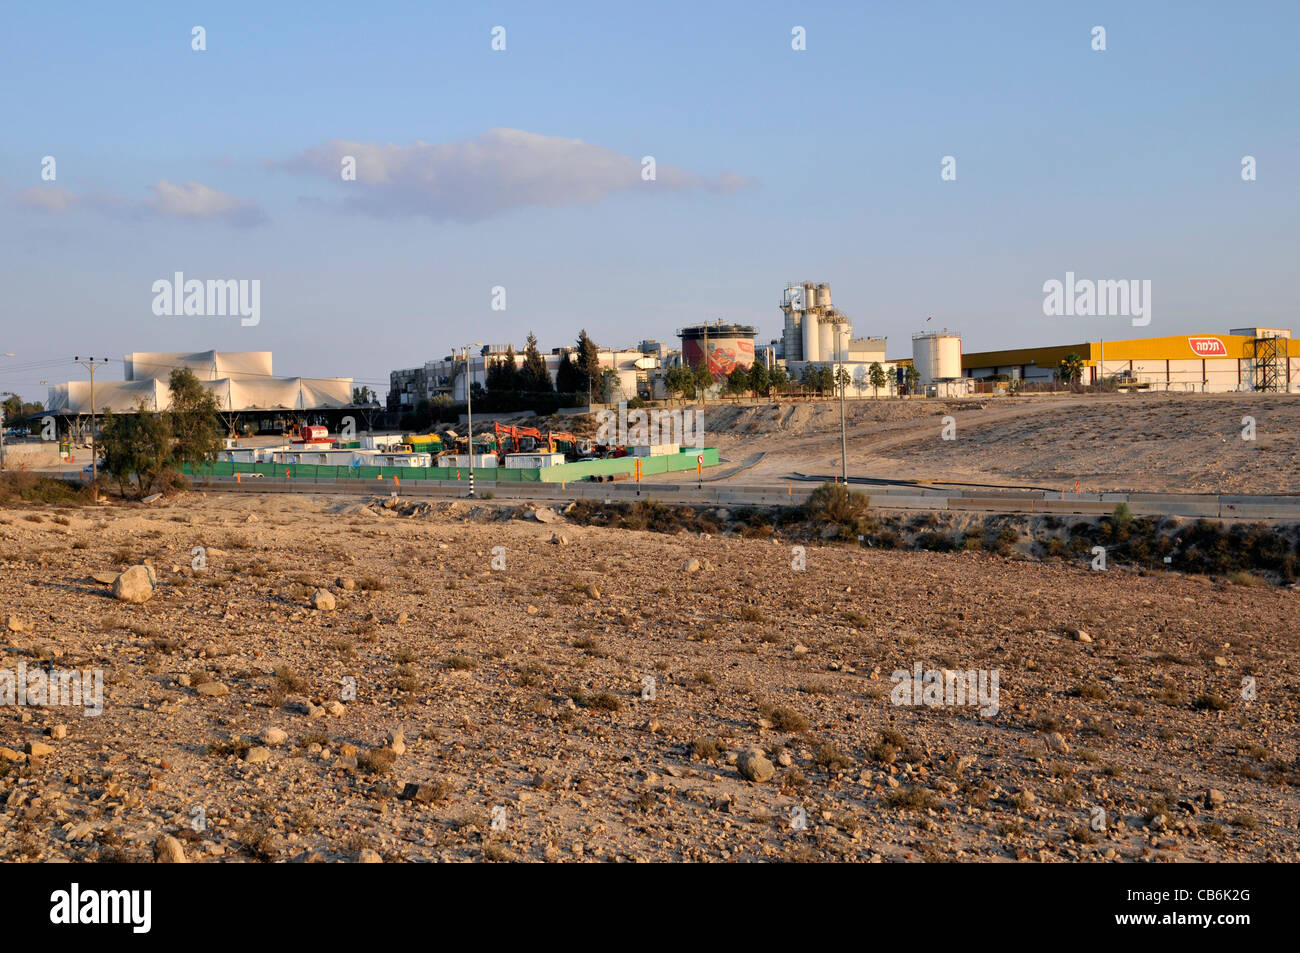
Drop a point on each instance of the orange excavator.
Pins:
(550, 439)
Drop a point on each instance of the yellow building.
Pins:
(1244, 359)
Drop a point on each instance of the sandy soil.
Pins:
(1146, 442)
(521, 693)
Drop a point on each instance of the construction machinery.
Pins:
(551, 440)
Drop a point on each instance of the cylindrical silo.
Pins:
(923, 357)
(824, 295)
(828, 342)
(811, 342)
(810, 297)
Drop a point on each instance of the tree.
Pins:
(780, 379)
(680, 382)
(363, 395)
(759, 379)
(588, 362)
(703, 379)
(913, 378)
(738, 381)
(842, 378)
(136, 448)
(818, 378)
(566, 376)
(193, 422)
(827, 380)
(610, 383)
(533, 377)
(494, 375)
(878, 378)
(1071, 368)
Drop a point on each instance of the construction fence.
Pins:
(565, 473)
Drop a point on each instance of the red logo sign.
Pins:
(1208, 347)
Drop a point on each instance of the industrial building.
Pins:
(446, 378)
(243, 382)
(816, 332)
(1244, 359)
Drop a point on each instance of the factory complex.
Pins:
(815, 336)
(815, 333)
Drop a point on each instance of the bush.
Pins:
(836, 503)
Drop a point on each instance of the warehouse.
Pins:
(1244, 359)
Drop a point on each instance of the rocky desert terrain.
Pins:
(314, 679)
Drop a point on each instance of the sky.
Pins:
(522, 169)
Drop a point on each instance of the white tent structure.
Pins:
(242, 381)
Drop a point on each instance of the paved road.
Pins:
(900, 495)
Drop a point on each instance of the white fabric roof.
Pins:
(206, 365)
(241, 381)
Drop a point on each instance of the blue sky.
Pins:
(774, 165)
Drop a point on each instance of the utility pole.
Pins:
(844, 440)
(94, 450)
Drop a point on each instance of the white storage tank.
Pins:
(824, 295)
(937, 356)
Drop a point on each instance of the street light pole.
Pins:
(844, 440)
(469, 413)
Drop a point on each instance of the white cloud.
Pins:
(195, 201)
(48, 198)
(188, 201)
(500, 170)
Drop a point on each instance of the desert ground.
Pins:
(1188, 443)
(490, 686)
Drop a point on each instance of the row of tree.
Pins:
(687, 382)
(15, 407)
(514, 385)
